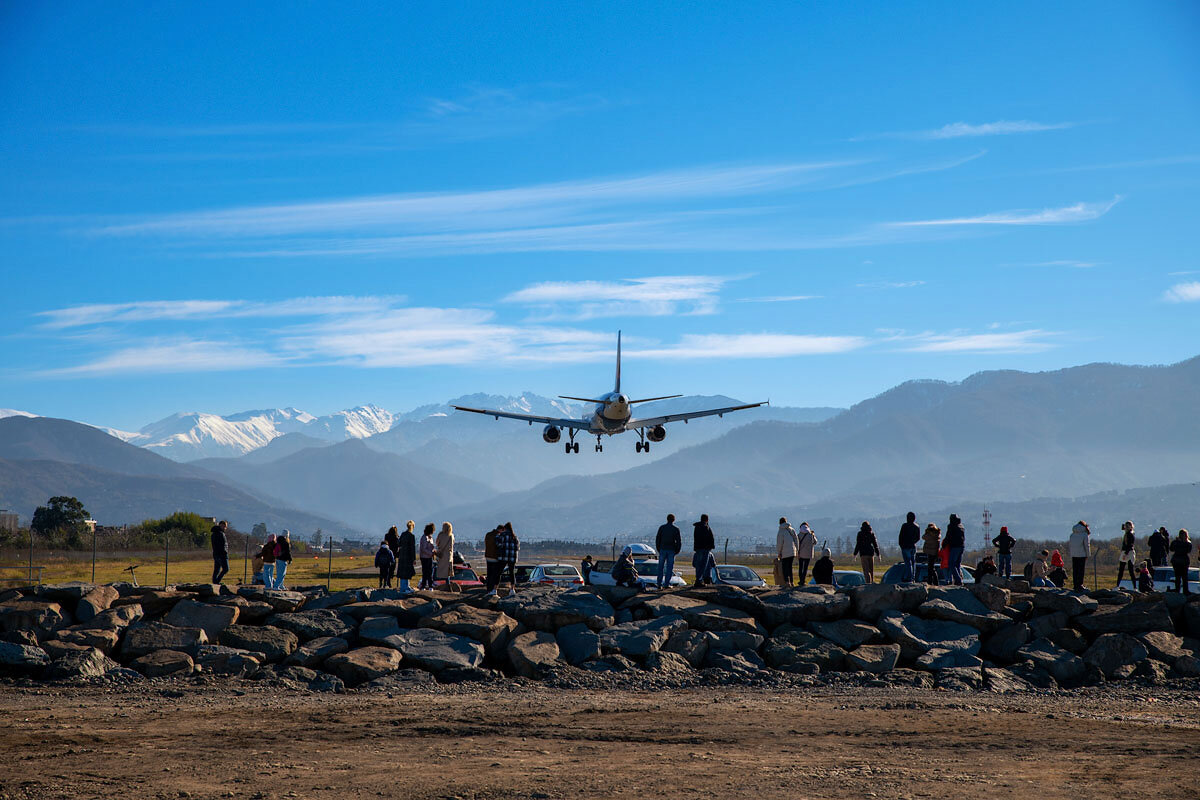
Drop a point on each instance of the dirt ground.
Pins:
(532, 742)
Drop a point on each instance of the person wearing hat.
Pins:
(1128, 556)
(283, 556)
(1159, 542)
(931, 546)
(1040, 574)
(624, 573)
(1004, 546)
(823, 569)
(1080, 546)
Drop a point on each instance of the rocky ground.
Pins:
(204, 737)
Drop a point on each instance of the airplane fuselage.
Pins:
(612, 414)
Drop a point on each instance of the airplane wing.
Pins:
(577, 424)
(649, 422)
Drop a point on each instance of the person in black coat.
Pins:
(1004, 544)
(866, 547)
(668, 543)
(822, 570)
(910, 536)
(406, 556)
(220, 551)
(703, 543)
(1159, 541)
(956, 541)
(1181, 559)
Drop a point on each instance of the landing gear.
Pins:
(571, 446)
(643, 446)
(599, 447)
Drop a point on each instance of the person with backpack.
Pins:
(787, 546)
(1128, 555)
(385, 562)
(1159, 542)
(268, 557)
(668, 542)
(1004, 544)
(866, 547)
(508, 547)
(426, 550)
(491, 556)
(1181, 559)
(220, 551)
(823, 569)
(956, 542)
(406, 554)
(283, 556)
(804, 552)
(910, 535)
(1080, 546)
(703, 544)
(931, 548)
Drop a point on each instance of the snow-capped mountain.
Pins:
(12, 412)
(353, 423)
(524, 403)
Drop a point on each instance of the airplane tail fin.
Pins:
(617, 387)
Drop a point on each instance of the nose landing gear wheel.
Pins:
(637, 447)
(599, 448)
(575, 447)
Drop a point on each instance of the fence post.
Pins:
(31, 555)
(726, 551)
(93, 555)
(246, 560)
(329, 571)
(166, 559)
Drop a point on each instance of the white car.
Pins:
(740, 576)
(565, 575)
(1164, 580)
(647, 574)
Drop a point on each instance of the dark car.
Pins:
(895, 574)
(523, 571)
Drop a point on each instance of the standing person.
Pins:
(823, 569)
(866, 547)
(703, 544)
(1128, 555)
(1004, 544)
(445, 553)
(1160, 540)
(406, 554)
(427, 550)
(220, 550)
(910, 534)
(1080, 546)
(508, 547)
(491, 556)
(668, 542)
(268, 557)
(385, 561)
(930, 548)
(283, 556)
(1181, 559)
(804, 553)
(787, 547)
(585, 567)
(956, 542)
(392, 540)
(1038, 572)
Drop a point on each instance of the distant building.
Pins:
(9, 520)
(91, 525)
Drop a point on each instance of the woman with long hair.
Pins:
(445, 553)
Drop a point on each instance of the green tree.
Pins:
(61, 520)
(192, 528)
(317, 538)
(259, 532)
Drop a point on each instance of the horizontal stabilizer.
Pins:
(580, 399)
(652, 399)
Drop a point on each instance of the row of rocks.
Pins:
(998, 634)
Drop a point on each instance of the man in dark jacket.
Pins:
(1160, 540)
(822, 570)
(668, 543)
(703, 543)
(220, 550)
(956, 540)
(910, 535)
(406, 554)
(1004, 544)
(385, 561)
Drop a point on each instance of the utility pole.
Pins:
(987, 529)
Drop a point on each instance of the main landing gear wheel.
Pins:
(571, 447)
(642, 447)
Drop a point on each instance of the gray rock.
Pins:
(960, 597)
(1034, 675)
(154, 602)
(57, 649)
(336, 599)
(846, 633)
(874, 658)
(1147, 613)
(782, 654)
(1151, 671)
(162, 663)
(203, 589)
(364, 664)
(1065, 667)
(68, 592)
(375, 630)
(402, 680)
(212, 619)
(937, 659)
(491, 628)
(961, 679)
(88, 663)
(1042, 626)
(734, 641)
(908, 678)
(148, 637)
(1165, 646)
(282, 600)
(745, 663)
(434, 650)
(613, 663)
(20, 637)
(275, 644)
(408, 611)
(797, 607)
(532, 654)
(691, 645)
(1003, 644)
(1111, 597)
(1003, 681)
(313, 653)
(637, 640)
(95, 601)
(1071, 604)
(1069, 639)
(117, 619)
(220, 660)
(102, 639)
(1113, 650)
(1186, 667)
(578, 643)
(730, 597)
(549, 608)
(916, 636)
(40, 616)
(701, 615)
(987, 622)
(21, 659)
(1190, 618)
(317, 624)
(994, 598)
(668, 663)
(873, 600)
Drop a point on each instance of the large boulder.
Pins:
(874, 658)
(95, 601)
(40, 616)
(821, 653)
(874, 599)
(1186, 667)
(916, 635)
(1069, 639)
(274, 644)
(1003, 681)
(163, 663)
(221, 660)
(987, 622)
(734, 641)
(313, 653)
(117, 618)
(937, 659)
(637, 640)
(154, 602)
(549, 608)
(1166, 646)
(408, 611)
(1003, 645)
(102, 639)
(993, 598)
(376, 630)
(148, 637)
(22, 659)
(57, 649)
(578, 643)
(342, 598)
(801, 606)
(68, 592)
(1065, 667)
(1111, 651)
(205, 590)
(744, 664)
(493, 629)
(1141, 616)
(846, 633)
(668, 663)
(435, 651)
(364, 664)
(729, 597)
(702, 615)
(1043, 626)
(1071, 604)
(1189, 618)
(211, 618)
(316, 624)
(690, 645)
(959, 679)
(532, 653)
(86, 663)
(282, 600)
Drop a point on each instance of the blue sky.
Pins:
(218, 207)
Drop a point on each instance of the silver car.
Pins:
(565, 575)
(740, 576)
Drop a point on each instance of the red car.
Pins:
(465, 578)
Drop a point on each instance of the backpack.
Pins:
(1028, 571)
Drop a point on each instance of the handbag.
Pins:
(944, 557)
(777, 573)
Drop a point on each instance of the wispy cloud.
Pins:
(1079, 212)
(1025, 341)
(1140, 163)
(655, 296)
(178, 356)
(780, 298)
(1183, 293)
(145, 311)
(959, 130)
(752, 345)
(1065, 262)
(889, 284)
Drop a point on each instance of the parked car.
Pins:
(647, 574)
(844, 578)
(556, 575)
(1164, 580)
(465, 578)
(643, 551)
(895, 574)
(523, 571)
(738, 575)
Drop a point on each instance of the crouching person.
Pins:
(624, 572)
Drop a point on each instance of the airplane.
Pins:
(612, 415)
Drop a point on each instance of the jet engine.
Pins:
(551, 434)
(657, 433)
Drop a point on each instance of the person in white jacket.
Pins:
(804, 554)
(1080, 546)
(786, 547)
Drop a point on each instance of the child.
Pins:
(385, 560)
(256, 564)
(1145, 581)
